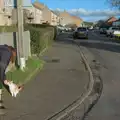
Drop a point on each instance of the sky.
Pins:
(88, 10)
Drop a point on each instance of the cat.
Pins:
(14, 89)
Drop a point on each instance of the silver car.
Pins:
(81, 32)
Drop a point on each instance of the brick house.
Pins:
(48, 16)
(116, 23)
(1, 4)
(29, 16)
(39, 11)
(55, 19)
(32, 14)
(111, 20)
(5, 14)
(76, 20)
(46, 13)
(65, 18)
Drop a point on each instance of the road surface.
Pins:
(107, 52)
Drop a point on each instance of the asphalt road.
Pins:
(107, 52)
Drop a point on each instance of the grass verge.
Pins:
(32, 68)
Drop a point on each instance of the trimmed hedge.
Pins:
(41, 35)
(40, 38)
(45, 26)
(12, 28)
(8, 28)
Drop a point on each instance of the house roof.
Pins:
(109, 19)
(68, 14)
(77, 17)
(118, 20)
(65, 13)
(38, 5)
(54, 12)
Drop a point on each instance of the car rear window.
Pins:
(81, 29)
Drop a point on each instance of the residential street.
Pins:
(100, 48)
(62, 60)
(62, 80)
(108, 54)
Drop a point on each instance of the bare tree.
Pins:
(114, 3)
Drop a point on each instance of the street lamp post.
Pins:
(20, 52)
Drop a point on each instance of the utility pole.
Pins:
(20, 52)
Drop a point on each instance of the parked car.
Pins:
(62, 28)
(116, 33)
(81, 32)
(111, 30)
(103, 30)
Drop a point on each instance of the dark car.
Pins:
(103, 30)
(81, 32)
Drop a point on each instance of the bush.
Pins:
(41, 35)
(47, 26)
(8, 28)
(40, 38)
(12, 28)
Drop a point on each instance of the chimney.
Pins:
(2, 4)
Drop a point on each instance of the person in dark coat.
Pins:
(8, 58)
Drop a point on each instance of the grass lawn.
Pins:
(32, 67)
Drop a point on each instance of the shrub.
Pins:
(8, 28)
(40, 38)
(12, 28)
(41, 35)
(47, 26)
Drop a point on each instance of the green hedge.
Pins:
(40, 38)
(12, 28)
(8, 28)
(41, 35)
(45, 26)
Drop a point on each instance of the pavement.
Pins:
(62, 80)
(107, 52)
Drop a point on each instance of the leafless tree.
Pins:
(114, 3)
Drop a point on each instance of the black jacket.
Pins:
(5, 55)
